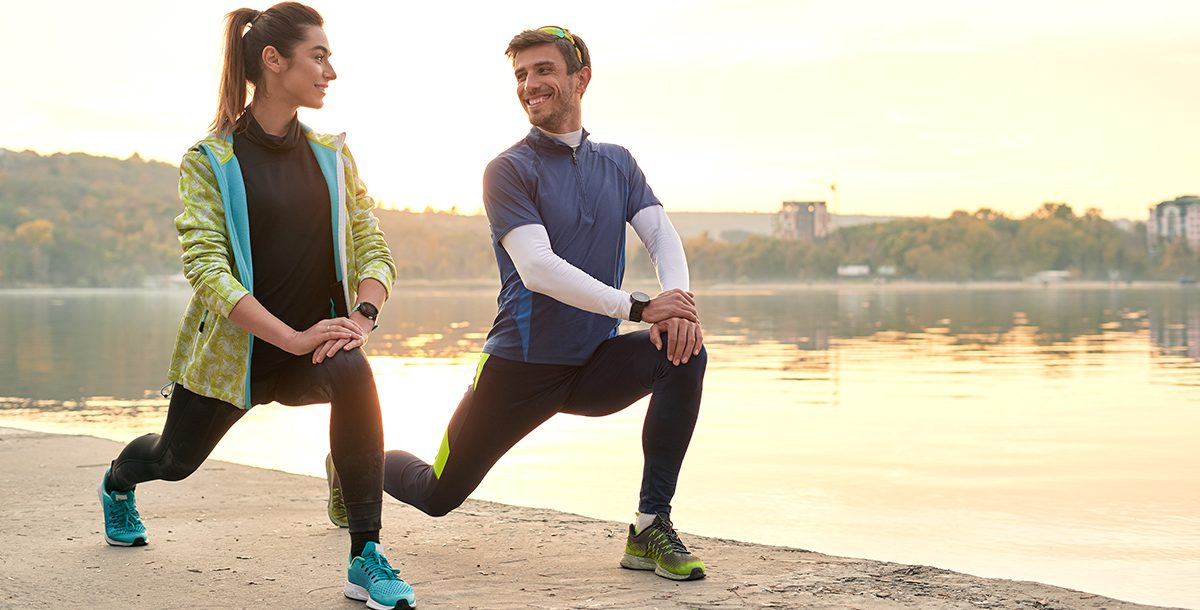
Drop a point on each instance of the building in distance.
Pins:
(1176, 219)
(802, 221)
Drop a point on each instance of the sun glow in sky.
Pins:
(912, 108)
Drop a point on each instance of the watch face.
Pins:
(368, 310)
(640, 297)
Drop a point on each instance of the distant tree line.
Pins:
(984, 245)
(79, 220)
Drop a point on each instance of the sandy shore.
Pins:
(238, 537)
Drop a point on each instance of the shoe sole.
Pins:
(358, 593)
(329, 504)
(111, 541)
(633, 562)
(136, 542)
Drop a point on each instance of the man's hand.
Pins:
(684, 339)
(674, 303)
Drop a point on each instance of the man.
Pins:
(558, 204)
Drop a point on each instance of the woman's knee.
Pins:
(175, 469)
(347, 375)
(343, 364)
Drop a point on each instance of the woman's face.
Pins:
(306, 75)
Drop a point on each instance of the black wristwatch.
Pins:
(637, 302)
(369, 312)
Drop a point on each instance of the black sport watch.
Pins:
(369, 312)
(637, 302)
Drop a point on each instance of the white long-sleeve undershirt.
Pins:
(664, 246)
(545, 272)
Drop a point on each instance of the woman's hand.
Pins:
(321, 333)
(331, 347)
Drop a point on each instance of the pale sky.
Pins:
(913, 108)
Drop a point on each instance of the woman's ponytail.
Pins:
(231, 99)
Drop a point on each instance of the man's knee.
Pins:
(441, 507)
(693, 369)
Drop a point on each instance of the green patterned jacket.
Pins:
(212, 355)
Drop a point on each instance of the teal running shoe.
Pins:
(372, 579)
(122, 523)
(336, 506)
(659, 548)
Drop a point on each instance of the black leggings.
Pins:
(195, 424)
(509, 399)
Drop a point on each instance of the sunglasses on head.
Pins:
(558, 32)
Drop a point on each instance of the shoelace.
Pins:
(378, 568)
(124, 515)
(668, 530)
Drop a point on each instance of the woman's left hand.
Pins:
(330, 348)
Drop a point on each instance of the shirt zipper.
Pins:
(587, 214)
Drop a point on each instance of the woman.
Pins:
(289, 270)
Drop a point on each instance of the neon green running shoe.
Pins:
(336, 506)
(658, 548)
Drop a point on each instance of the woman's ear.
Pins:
(273, 60)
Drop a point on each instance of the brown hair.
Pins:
(532, 38)
(281, 26)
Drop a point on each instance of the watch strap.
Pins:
(635, 310)
(369, 311)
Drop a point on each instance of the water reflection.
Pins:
(1025, 433)
(1175, 326)
(72, 346)
(981, 317)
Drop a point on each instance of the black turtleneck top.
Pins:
(291, 232)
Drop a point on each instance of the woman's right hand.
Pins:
(320, 333)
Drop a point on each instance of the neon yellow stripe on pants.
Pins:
(439, 463)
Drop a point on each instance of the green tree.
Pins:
(36, 236)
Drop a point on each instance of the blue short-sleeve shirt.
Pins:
(584, 198)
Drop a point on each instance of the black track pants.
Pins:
(195, 424)
(509, 399)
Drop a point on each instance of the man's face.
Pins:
(548, 94)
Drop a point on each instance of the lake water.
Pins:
(1032, 433)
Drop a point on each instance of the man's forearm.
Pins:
(545, 272)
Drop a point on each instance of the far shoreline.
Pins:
(714, 288)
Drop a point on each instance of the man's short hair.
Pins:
(532, 38)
